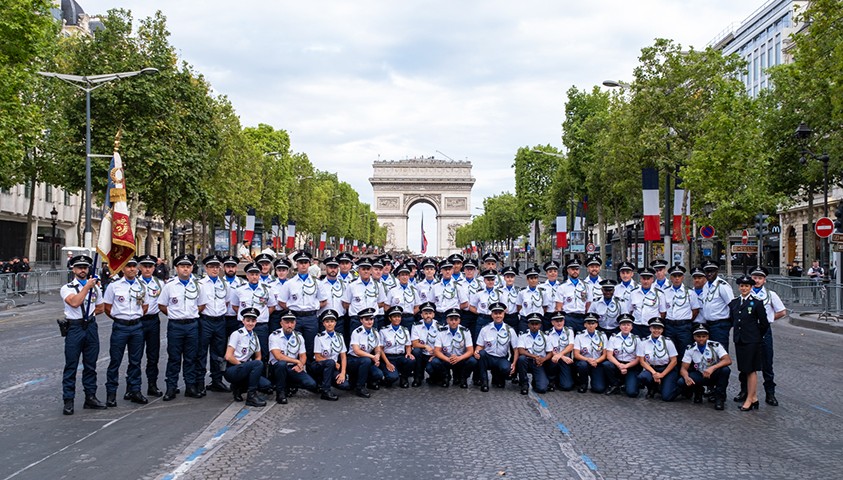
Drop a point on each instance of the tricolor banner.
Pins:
(342, 244)
(354, 246)
(678, 198)
(562, 231)
(424, 237)
(473, 246)
(116, 243)
(322, 240)
(231, 225)
(249, 233)
(276, 234)
(650, 185)
(291, 234)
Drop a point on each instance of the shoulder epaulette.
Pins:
(241, 331)
(277, 332)
(712, 343)
(443, 329)
(462, 328)
(359, 329)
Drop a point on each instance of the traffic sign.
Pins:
(837, 238)
(744, 248)
(744, 237)
(707, 231)
(590, 248)
(824, 227)
(837, 247)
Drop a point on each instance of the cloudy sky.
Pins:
(353, 82)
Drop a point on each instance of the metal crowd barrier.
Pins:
(21, 287)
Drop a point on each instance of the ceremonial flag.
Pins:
(579, 218)
(291, 234)
(354, 246)
(116, 243)
(562, 231)
(424, 237)
(276, 234)
(342, 244)
(249, 233)
(650, 184)
(232, 228)
(678, 195)
(322, 240)
(473, 246)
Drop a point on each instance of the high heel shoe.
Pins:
(752, 406)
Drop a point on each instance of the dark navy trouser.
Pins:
(213, 343)
(246, 374)
(152, 344)
(123, 336)
(85, 341)
(499, 366)
(597, 375)
(528, 365)
(284, 377)
(615, 377)
(719, 380)
(668, 386)
(182, 349)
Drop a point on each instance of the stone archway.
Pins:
(400, 184)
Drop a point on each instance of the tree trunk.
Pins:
(207, 246)
(26, 252)
(686, 240)
(601, 231)
(621, 238)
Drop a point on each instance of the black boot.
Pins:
(218, 386)
(137, 397)
(153, 391)
(111, 399)
(741, 397)
(698, 396)
(281, 398)
(238, 395)
(68, 406)
(329, 395)
(92, 402)
(253, 400)
(171, 394)
(190, 391)
(719, 402)
(362, 392)
(771, 400)
(200, 389)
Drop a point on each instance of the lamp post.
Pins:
(148, 243)
(635, 226)
(89, 83)
(803, 133)
(54, 215)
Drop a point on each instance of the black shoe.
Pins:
(484, 388)
(200, 389)
(416, 384)
(464, 384)
(330, 396)
(111, 399)
(127, 395)
(718, 404)
(238, 395)
(153, 391)
(292, 391)
(92, 402)
(741, 397)
(500, 385)
(218, 386)
(178, 390)
(525, 390)
(771, 400)
(651, 393)
(404, 383)
(613, 390)
(445, 384)
(752, 406)
(362, 392)
(253, 400)
(374, 386)
(171, 394)
(698, 397)
(281, 398)
(190, 391)
(582, 388)
(477, 383)
(551, 388)
(137, 397)
(68, 406)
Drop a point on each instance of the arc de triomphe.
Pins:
(400, 184)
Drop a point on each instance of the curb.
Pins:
(808, 320)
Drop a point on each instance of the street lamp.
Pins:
(89, 83)
(54, 215)
(803, 132)
(616, 84)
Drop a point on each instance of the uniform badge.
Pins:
(121, 298)
(488, 344)
(356, 299)
(388, 344)
(395, 301)
(569, 299)
(294, 297)
(324, 353)
(584, 350)
(243, 350)
(423, 296)
(174, 300)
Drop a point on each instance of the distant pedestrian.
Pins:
(162, 272)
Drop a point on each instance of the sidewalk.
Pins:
(811, 320)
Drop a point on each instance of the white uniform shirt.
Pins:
(680, 302)
(555, 291)
(534, 301)
(624, 349)
(291, 347)
(233, 284)
(126, 298)
(367, 341)
(485, 297)
(448, 294)
(537, 344)
(608, 313)
(590, 346)
(394, 340)
(623, 292)
(711, 354)
(772, 303)
(275, 289)
(73, 288)
(657, 352)
(360, 295)
(388, 281)
(425, 333)
(717, 296)
(454, 343)
(302, 294)
(153, 288)
(472, 286)
(335, 291)
(646, 305)
(404, 296)
(497, 341)
(574, 296)
(268, 280)
(593, 284)
(245, 344)
(509, 296)
(258, 296)
(560, 340)
(215, 294)
(425, 289)
(664, 285)
(348, 278)
(700, 294)
(181, 299)
(329, 345)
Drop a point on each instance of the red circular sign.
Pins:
(744, 237)
(707, 231)
(824, 227)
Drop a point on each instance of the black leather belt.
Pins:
(208, 317)
(303, 313)
(677, 323)
(80, 321)
(127, 323)
(183, 321)
(722, 320)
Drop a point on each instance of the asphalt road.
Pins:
(428, 432)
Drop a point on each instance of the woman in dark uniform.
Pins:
(749, 322)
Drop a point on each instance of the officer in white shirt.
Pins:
(150, 322)
(447, 294)
(347, 275)
(364, 355)
(589, 354)
(405, 295)
(362, 294)
(288, 358)
(397, 358)
(608, 308)
(657, 356)
(212, 339)
(532, 299)
(282, 272)
(329, 357)
(453, 351)
(490, 262)
(717, 295)
(646, 302)
(705, 363)
(495, 342)
(255, 294)
(509, 296)
(229, 267)
(659, 267)
(553, 286)
(181, 301)
(534, 350)
(575, 297)
(480, 302)
(423, 336)
(621, 365)
(124, 302)
(683, 306)
(593, 264)
(425, 286)
(82, 302)
(243, 357)
(387, 279)
(335, 291)
(304, 296)
(560, 367)
(626, 285)
(698, 288)
(264, 262)
(470, 284)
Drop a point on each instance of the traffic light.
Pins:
(761, 224)
(838, 223)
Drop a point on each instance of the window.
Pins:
(770, 56)
(66, 197)
(754, 69)
(27, 190)
(48, 193)
(778, 49)
(5, 190)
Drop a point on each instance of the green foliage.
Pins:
(533, 175)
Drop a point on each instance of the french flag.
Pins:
(652, 223)
(678, 195)
(250, 225)
(232, 227)
(562, 231)
(424, 237)
(276, 234)
(322, 240)
(291, 234)
(354, 246)
(342, 244)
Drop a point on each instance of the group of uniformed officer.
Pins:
(378, 326)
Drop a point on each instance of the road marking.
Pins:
(22, 385)
(580, 463)
(822, 409)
